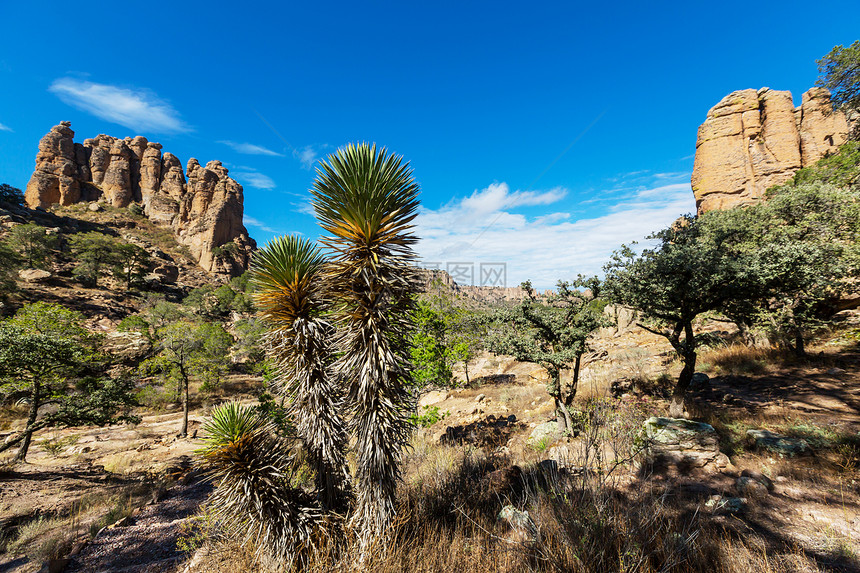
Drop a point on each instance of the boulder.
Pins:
(34, 275)
(683, 443)
(547, 432)
(751, 488)
(783, 446)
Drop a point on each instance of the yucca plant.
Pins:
(286, 275)
(253, 498)
(366, 199)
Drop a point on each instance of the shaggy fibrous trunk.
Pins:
(316, 404)
(35, 399)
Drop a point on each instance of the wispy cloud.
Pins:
(308, 155)
(255, 179)
(135, 108)
(547, 247)
(251, 221)
(250, 148)
(5, 127)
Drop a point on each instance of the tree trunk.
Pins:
(184, 431)
(35, 398)
(676, 407)
(466, 369)
(799, 346)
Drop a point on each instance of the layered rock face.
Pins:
(203, 205)
(755, 139)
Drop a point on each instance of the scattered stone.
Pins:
(700, 381)
(720, 504)
(504, 480)
(622, 386)
(835, 371)
(748, 487)
(479, 398)
(777, 444)
(124, 522)
(34, 275)
(94, 207)
(520, 522)
(546, 432)
(683, 443)
(759, 477)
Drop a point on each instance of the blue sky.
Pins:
(543, 135)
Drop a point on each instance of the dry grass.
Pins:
(740, 359)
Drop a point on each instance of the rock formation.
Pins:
(204, 211)
(753, 140)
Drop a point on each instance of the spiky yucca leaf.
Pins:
(366, 199)
(253, 498)
(286, 277)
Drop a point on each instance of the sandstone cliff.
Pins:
(203, 205)
(755, 139)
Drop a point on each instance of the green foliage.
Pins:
(553, 333)
(839, 71)
(691, 271)
(431, 357)
(9, 263)
(251, 467)
(249, 347)
(218, 301)
(93, 252)
(156, 314)
(44, 353)
(11, 196)
(130, 263)
(841, 169)
(803, 246)
(429, 416)
(34, 246)
(56, 445)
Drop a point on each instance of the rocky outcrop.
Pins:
(755, 139)
(205, 210)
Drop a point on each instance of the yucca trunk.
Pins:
(286, 276)
(366, 200)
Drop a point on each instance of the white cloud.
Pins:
(135, 108)
(5, 127)
(251, 149)
(309, 154)
(484, 228)
(254, 179)
(258, 224)
(498, 196)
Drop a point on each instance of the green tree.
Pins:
(839, 71)
(186, 350)
(9, 263)
(691, 271)
(130, 263)
(32, 243)
(805, 241)
(554, 333)
(11, 196)
(432, 358)
(44, 352)
(94, 252)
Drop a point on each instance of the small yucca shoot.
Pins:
(286, 275)
(366, 199)
(253, 498)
